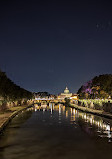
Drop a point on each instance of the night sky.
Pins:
(48, 45)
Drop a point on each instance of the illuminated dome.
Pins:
(66, 91)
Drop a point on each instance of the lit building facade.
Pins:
(67, 94)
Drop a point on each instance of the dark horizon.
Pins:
(48, 45)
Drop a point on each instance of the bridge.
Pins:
(52, 100)
(45, 99)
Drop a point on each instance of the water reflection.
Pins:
(73, 115)
(93, 125)
(59, 109)
(54, 131)
(51, 107)
(97, 124)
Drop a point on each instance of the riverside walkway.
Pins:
(93, 111)
(7, 115)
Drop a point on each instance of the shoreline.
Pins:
(92, 111)
(6, 117)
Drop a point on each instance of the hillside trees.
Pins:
(10, 91)
(99, 87)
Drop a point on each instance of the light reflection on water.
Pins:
(101, 126)
(56, 131)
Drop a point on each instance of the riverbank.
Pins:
(92, 111)
(6, 116)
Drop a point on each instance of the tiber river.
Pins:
(56, 132)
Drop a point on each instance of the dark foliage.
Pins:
(42, 94)
(67, 101)
(98, 87)
(10, 91)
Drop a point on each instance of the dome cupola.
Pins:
(66, 91)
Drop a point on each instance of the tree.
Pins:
(99, 87)
(67, 101)
(10, 91)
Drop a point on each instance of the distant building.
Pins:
(67, 94)
(74, 97)
(64, 95)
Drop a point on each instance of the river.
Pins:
(56, 132)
